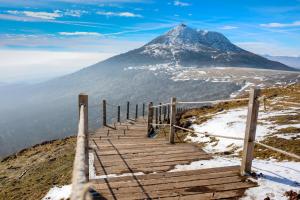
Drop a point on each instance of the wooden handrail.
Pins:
(80, 175)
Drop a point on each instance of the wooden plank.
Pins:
(211, 184)
(173, 174)
(165, 180)
(152, 162)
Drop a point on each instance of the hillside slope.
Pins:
(29, 174)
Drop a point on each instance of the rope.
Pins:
(111, 104)
(160, 105)
(288, 102)
(208, 134)
(213, 101)
(278, 150)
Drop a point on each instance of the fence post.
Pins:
(168, 114)
(150, 117)
(83, 100)
(172, 120)
(253, 107)
(156, 115)
(104, 112)
(165, 113)
(119, 113)
(159, 118)
(136, 111)
(143, 110)
(127, 113)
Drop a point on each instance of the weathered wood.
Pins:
(104, 113)
(156, 115)
(143, 110)
(81, 162)
(127, 113)
(150, 117)
(165, 112)
(119, 113)
(160, 113)
(172, 120)
(251, 123)
(117, 153)
(136, 111)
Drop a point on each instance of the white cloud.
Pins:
(29, 65)
(40, 15)
(77, 33)
(75, 13)
(180, 3)
(119, 14)
(281, 25)
(269, 48)
(227, 27)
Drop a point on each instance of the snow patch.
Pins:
(59, 193)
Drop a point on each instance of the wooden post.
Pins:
(150, 117)
(251, 123)
(168, 114)
(156, 115)
(83, 100)
(172, 120)
(136, 111)
(119, 113)
(143, 110)
(159, 118)
(127, 114)
(165, 113)
(104, 112)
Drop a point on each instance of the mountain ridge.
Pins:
(187, 47)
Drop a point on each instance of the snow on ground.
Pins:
(233, 123)
(277, 176)
(276, 179)
(58, 193)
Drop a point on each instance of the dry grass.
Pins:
(32, 172)
(292, 146)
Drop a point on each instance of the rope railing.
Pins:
(278, 150)
(118, 112)
(161, 105)
(211, 101)
(254, 100)
(80, 175)
(208, 134)
(288, 102)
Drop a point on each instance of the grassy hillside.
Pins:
(30, 173)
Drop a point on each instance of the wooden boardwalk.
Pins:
(124, 148)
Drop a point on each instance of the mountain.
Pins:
(187, 47)
(33, 113)
(287, 60)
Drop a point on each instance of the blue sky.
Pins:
(111, 27)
